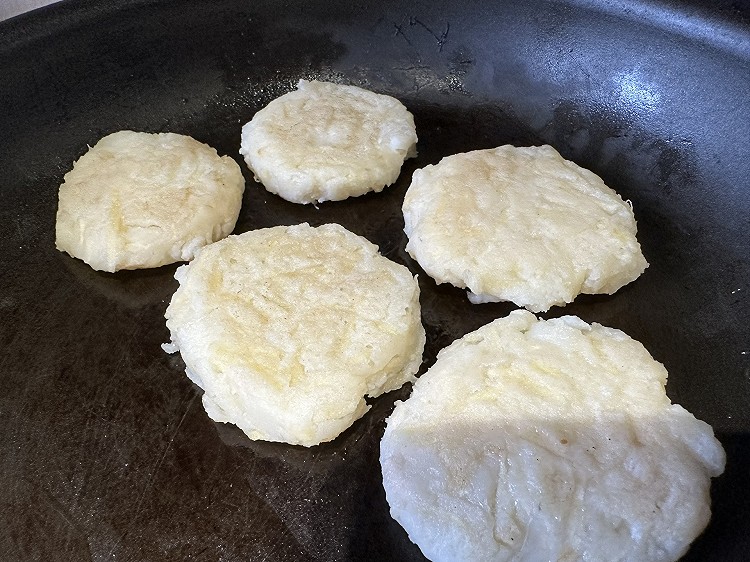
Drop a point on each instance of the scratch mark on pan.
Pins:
(19, 229)
(400, 31)
(60, 509)
(152, 474)
(441, 39)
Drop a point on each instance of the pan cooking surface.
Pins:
(107, 452)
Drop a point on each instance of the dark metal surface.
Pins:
(106, 452)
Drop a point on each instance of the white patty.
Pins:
(522, 225)
(327, 142)
(288, 328)
(547, 440)
(139, 200)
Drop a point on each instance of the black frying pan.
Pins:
(106, 451)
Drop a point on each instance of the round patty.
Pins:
(522, 225)
(327, 142)
(548, 440)
(288, 328)
(139, 200)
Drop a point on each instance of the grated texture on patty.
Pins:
(327, 142)
(522, 225)
(138, 200)
(287, 329)
(548, 440)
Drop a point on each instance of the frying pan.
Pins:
(106, 451)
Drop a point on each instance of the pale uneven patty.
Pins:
(288, 328)
(522, 225)
(327, 142)
(138, 200)
(548, 440)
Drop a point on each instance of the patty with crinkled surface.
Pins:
(139, 200)
(328, 142)
(520, 224)
(287, 329)
(548, 440)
